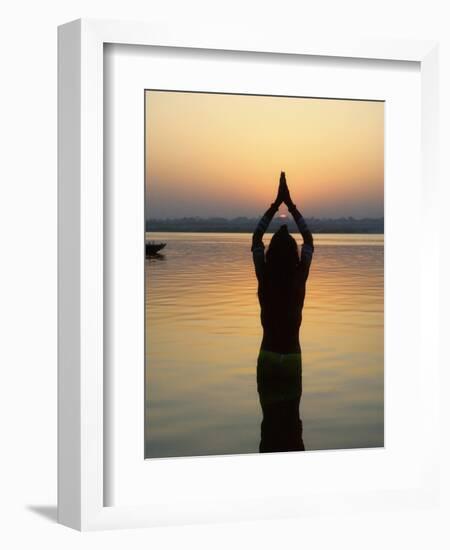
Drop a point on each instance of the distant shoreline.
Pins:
(365, 226)
(269, 231)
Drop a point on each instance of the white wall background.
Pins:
(28, 274)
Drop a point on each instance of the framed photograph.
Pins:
(247, 293)
(209, 280)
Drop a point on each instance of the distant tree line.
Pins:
(247, 225)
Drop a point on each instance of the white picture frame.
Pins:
(81, 406)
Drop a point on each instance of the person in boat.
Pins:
(281, 274)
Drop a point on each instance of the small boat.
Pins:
(153, 248)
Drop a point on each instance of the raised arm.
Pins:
(308, 243)
(261, 228)
(302, 226)
(263, 224)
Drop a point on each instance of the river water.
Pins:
(203, 335)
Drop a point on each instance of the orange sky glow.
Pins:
(221, 155)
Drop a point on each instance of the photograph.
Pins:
(264, 273)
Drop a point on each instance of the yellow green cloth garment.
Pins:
(279, 376)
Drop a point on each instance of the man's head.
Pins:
(283, 251)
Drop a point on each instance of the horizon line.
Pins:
(258, 216)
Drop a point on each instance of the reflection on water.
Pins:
(202, 343)
(281, 427)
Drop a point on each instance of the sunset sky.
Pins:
(221, 155)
